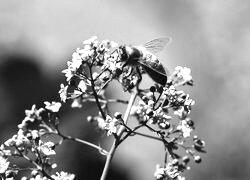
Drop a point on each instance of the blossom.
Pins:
(4, 152)
(18, 140)
(170, 171)
(82, 86)
(180, 178)
(110, 125)
(47, 148)
(31, 116)
(91, 41)
(76, 103)
(53, 107)
(182, 75)
(159, 172)
(63, 92)
(39, 177)
(63, 176)
(76, 61)
(184, 128)
(70, 71)
(4, 164)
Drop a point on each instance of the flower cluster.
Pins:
(168, 108)
(58, 176)
(31, 144)
(182, 76)
(163, 110)
(170, 171)
(80, 76)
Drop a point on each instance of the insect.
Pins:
(144, 57)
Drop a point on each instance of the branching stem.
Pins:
(116, 140)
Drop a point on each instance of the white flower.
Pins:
(53, 107)
(39, 177)
(76, 61)
(91, 41)
(70, 71)
(76, 103)
(63, 92)
(184, 128)
(82, 86)
(110, 125)
(172, 171)
(159, 172)
(4, 152)
(182, 75)
(63, 176)
(181, 178)
(4, 164)
(47, 148)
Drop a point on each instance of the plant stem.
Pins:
(95, 93)
(74, 139)
(116, 140)
(148, 136)
(103, 151)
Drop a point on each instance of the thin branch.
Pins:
(103, 151)
(95, 93)
(34, 163)
(119, 134)
(165, 142)
(130, 133)
(59, 133)
(148, 136)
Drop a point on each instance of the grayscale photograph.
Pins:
(124, 90)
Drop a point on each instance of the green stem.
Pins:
(116, 140)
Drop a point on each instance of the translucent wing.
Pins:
(157, 45)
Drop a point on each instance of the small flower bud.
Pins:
(195, 137)
(151, 103)
(175, 162)
(34, 173)
(90, 119)
(54, 165)
(29, 136)
(150, 112)
(150, 95)
(118, 71)
(118, 115)
(197, 159)
(152, 88)
(144, 98)
(185, 159)
(190, 122)
(9, 174)
(164, 125)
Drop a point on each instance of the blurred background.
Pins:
(211, 37)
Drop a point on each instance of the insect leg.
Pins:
(130, 70)
(140, 78)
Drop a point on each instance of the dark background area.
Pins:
(210, 37)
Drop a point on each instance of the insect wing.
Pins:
(156, 71)
(157, 45)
